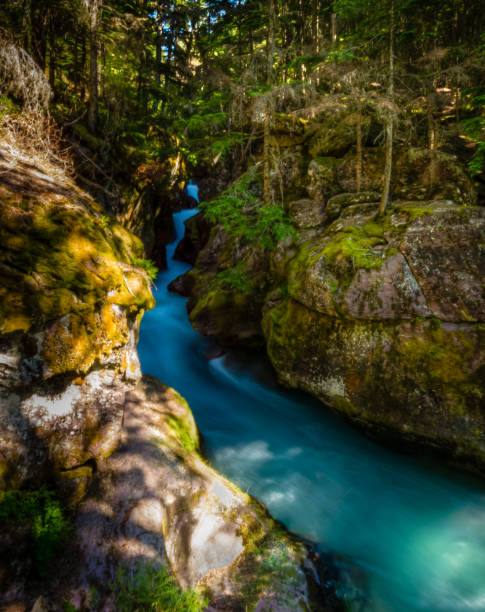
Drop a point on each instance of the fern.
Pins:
(242, 214)
(148, 265)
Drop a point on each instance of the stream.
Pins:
(410, 533)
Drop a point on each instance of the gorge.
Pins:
(273, 401)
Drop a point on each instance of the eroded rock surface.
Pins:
(155, 500)
(75, 412)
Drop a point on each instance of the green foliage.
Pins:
(475, 128)
(7, 106)
(241, 212)
(477, 162)
(105, 221)
(42, 509)
(236, 278)
(148, 265)
(153, 589)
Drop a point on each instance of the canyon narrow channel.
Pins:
(407, 536)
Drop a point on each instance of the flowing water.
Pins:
(413, 535)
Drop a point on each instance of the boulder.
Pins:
(157, 502)
(306, 214)
(196, 235)
(334, 136)
(384, 321)
(337, 203)
(227, 290)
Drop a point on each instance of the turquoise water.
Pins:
(413, 536)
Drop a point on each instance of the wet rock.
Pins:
(181, 285)
(197, 232)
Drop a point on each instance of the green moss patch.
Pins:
(48, 520)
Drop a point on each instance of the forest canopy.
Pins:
(163, 89)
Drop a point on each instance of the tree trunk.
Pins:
(267, 112)
(52, 58)
(433, 166)
(158, 54)
(389, 118)
(267, 155)
(93, 76)
(333, 26)
(82, 72)
(27, 25)
(358, 167)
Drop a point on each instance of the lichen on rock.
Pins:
(70, 305)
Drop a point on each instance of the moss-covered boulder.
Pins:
(70, 304)
(384, 320)
(334, 135)
(227, 289)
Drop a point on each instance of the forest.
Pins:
(273, 400)
(161, 90)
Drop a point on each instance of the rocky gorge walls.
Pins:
(121, 450)
(70, 302)
(381, 318)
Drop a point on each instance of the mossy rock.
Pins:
(337, 203)
(334, 136)
(62, 262)
(417, 380)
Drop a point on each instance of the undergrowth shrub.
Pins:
(49, 523)
(153, 589)
(241, 212)
(147, 265)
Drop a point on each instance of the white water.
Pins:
(412, 535)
